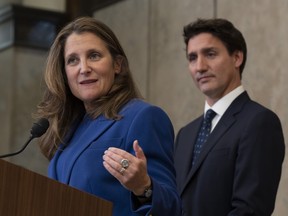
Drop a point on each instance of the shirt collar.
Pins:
(222, 104)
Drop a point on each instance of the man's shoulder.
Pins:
(247, 110)
(246, 104)
(254, 106)
(192, 124)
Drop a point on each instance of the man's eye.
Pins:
(211, 54)
(192, 58)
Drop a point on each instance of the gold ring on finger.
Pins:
(124, 163)
(122, 170)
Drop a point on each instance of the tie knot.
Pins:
(210, 114)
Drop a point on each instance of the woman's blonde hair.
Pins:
(60, 106)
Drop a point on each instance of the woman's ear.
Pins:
(118, 64)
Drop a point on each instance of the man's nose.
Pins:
(201, 64)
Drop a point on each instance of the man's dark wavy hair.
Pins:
(224, 30)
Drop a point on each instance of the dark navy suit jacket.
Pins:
(239, 168)
(84, 169)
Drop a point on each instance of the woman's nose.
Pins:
(84, 67)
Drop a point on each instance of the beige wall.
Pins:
(151, 34)
(20, 90)
(132, 29)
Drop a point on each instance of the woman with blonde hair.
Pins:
(97, 117)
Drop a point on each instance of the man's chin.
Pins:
(207, 90)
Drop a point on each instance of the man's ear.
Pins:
(238, 58)
(118, 64)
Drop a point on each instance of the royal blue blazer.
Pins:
(83, 166)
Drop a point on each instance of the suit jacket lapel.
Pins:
(223, 125)
(185, 162)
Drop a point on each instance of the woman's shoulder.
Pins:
(142, 113)
(137, 106)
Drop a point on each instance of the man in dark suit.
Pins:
(236, 171)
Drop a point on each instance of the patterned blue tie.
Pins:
(203, 134)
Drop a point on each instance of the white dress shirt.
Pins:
(222, 105)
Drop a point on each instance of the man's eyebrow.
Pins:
(207, 49)
(203, 50)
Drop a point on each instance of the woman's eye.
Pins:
(94, 56)
(72, 61)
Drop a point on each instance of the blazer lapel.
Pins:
(223, 125)
(93, 132)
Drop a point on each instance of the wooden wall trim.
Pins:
(77, 8)
(29, 27)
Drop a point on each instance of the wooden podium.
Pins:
(25, 193)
